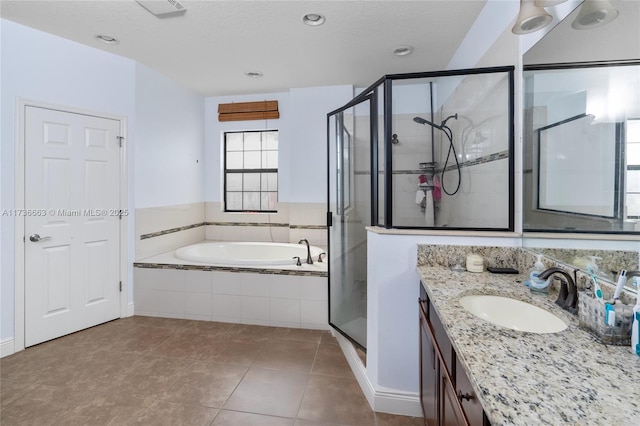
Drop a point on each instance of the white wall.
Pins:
(41, 67)
(302, 137)
(169, 134)
(308, 140)
(164, 143)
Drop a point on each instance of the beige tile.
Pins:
(384, 419)
(330, 361)
(233, 350)
(308, 423)
(103, 407)
(145, 321)
(172, 414)
(44, 405)
(335, 400)
(270, 392)
(208, 327)
(207, 384)
(186, 345)
(142, 339)
(235, 418)
(11, 390)
(151, 378)
(328, 339)
(298, 334)
(287, 355)
(252, 332)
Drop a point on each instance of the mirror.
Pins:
(581, 132)
(582, 127)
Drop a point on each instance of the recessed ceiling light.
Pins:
(313, 19)
(253, 74)
(402, 50)
(107, 39)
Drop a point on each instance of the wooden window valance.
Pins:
(239, 111)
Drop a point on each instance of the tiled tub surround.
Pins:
(160, 229)
(527, 378)
(292, 222)
(289, 296)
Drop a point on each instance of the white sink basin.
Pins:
(513, 314)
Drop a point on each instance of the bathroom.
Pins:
(174, 186)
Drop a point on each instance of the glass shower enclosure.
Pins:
(429, 150)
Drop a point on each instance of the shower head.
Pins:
(421, 120)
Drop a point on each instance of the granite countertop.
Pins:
(534, 379)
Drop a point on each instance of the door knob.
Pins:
(35, 238)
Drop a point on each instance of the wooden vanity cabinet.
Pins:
(446, 394)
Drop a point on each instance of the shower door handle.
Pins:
(36, 238)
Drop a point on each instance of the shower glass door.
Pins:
(349, 174)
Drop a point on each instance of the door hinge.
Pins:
(120, 140)
(120, 286)
(329, 219)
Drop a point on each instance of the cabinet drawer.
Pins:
(468, 399)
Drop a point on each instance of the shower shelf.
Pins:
(428, 166)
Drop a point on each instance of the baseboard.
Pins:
(7, 348)
(384, 401)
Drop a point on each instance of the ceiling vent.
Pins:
(163, 8)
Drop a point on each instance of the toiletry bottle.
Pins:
(635, 328)
(535, 284)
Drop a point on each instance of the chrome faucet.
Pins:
(568, 297)
(309, 259)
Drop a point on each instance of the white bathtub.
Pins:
(246, 254)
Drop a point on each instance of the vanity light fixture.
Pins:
(313, 19)
(403, 50)
(107, 39)
(530, 18)
(253, 74)
(594, 13)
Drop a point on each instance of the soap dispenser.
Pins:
(535, 284)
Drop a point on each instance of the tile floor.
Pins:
(158, 371)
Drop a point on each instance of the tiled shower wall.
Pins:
(414, 147)
(161, 229)
(481, 138)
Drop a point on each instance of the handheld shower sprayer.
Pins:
(442, 125)
(449, 133)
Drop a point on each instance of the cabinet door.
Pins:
(467, 397)
(429, 363)
(451, 413)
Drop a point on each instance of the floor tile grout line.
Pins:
(307, 384)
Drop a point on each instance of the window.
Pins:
(251, 171)
(633, 169)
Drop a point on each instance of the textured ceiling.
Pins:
(211, 46)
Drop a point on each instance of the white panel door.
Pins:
(72, 223)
